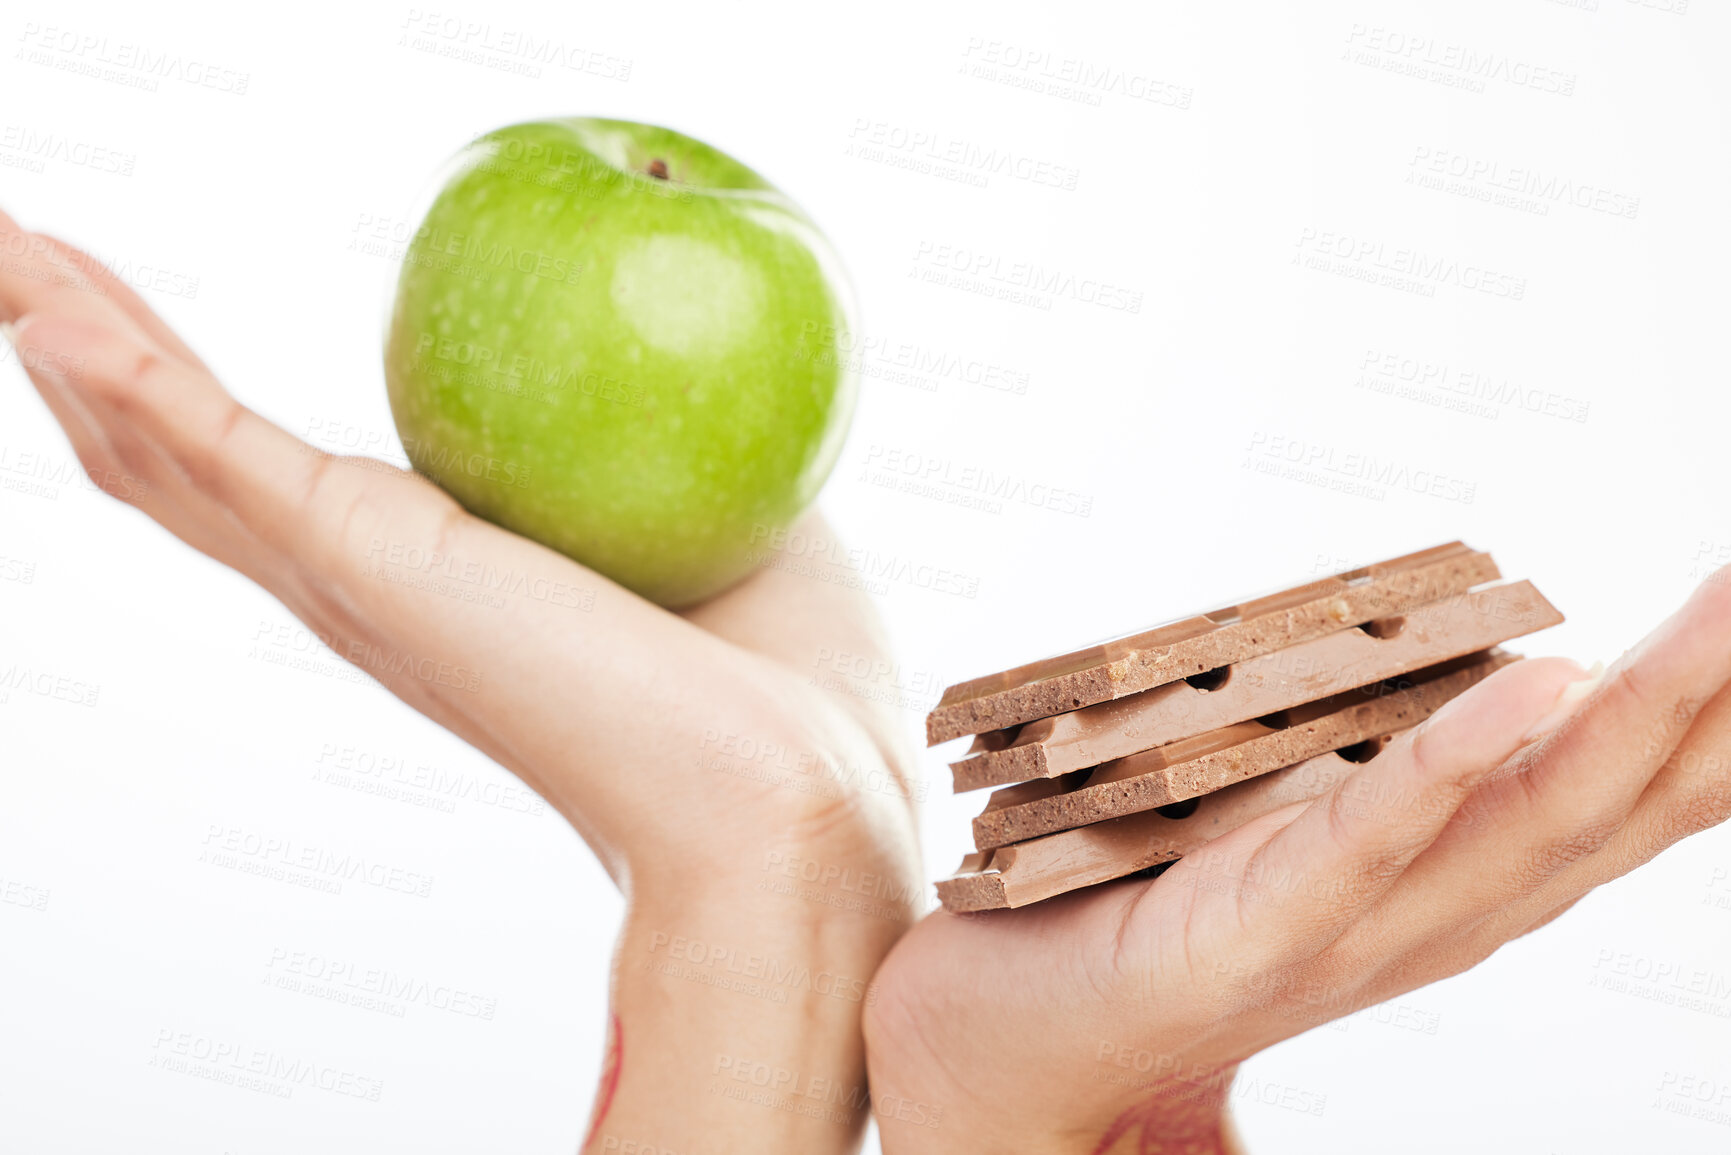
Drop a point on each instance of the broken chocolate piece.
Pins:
(1203, 642)
(1053, 864)
(1424, 636)
(1207, 762)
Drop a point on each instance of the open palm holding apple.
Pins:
(646, 729)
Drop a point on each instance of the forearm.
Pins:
(737, 1027)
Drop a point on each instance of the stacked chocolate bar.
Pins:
(1134, 752)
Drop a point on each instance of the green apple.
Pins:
(626, 345)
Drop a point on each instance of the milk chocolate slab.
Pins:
(1435, 632)
(1052, 864)
(1207, 762)
(1203, 642)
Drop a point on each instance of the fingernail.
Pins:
(9, 331)
(1568, 701)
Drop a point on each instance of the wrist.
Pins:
(1183, 1113)
(764, 901)
(743, 1008)
(925, 1130)
(1097, 1100)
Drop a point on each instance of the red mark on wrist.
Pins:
(610, 1070)
(1182, 1117)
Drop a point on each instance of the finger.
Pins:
(1579, 783)
(33, 278)
(89, 442)
(270, 483)
(1447, 953)
(63, 355)
(226, 451)
(1548, 918)
(34, 272)
(293, 500)
(122, 464)
(300, 504)
(103, 279)
(594, 682)
(1690, 794)
(1533, 838)
(1567, 795)
(1356, 840)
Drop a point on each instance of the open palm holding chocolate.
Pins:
(1112, 1019)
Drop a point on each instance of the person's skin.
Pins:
(739, 783)
(1106, 1021)
(1111, 1020)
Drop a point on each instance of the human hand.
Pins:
(700, 755)
(1112, 1019)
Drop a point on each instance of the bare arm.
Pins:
(696, 755)
(1112, 1020)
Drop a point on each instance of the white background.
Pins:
(1235, 432)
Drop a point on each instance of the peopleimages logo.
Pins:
(355, 979)
(294, 646)
(170, 282)
(395, 560)
(18, 570)
(932, 475)
(884, 141)
(503, 48)
(784, 548)
(443, 461)
(135, 65)
(532, 373)
(41, 147)
(989, 268)
(1458, 64)
(1066, 77)
(314, 860)
(427, 244)
(793, 976)
(391, 775)
(15, 893)
(1460, 388)
(904, 362)
(1366, 258)
(1490, 177)
(24, 679)
(234, 1062)
(1357, 474)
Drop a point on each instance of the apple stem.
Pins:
(658, 169)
